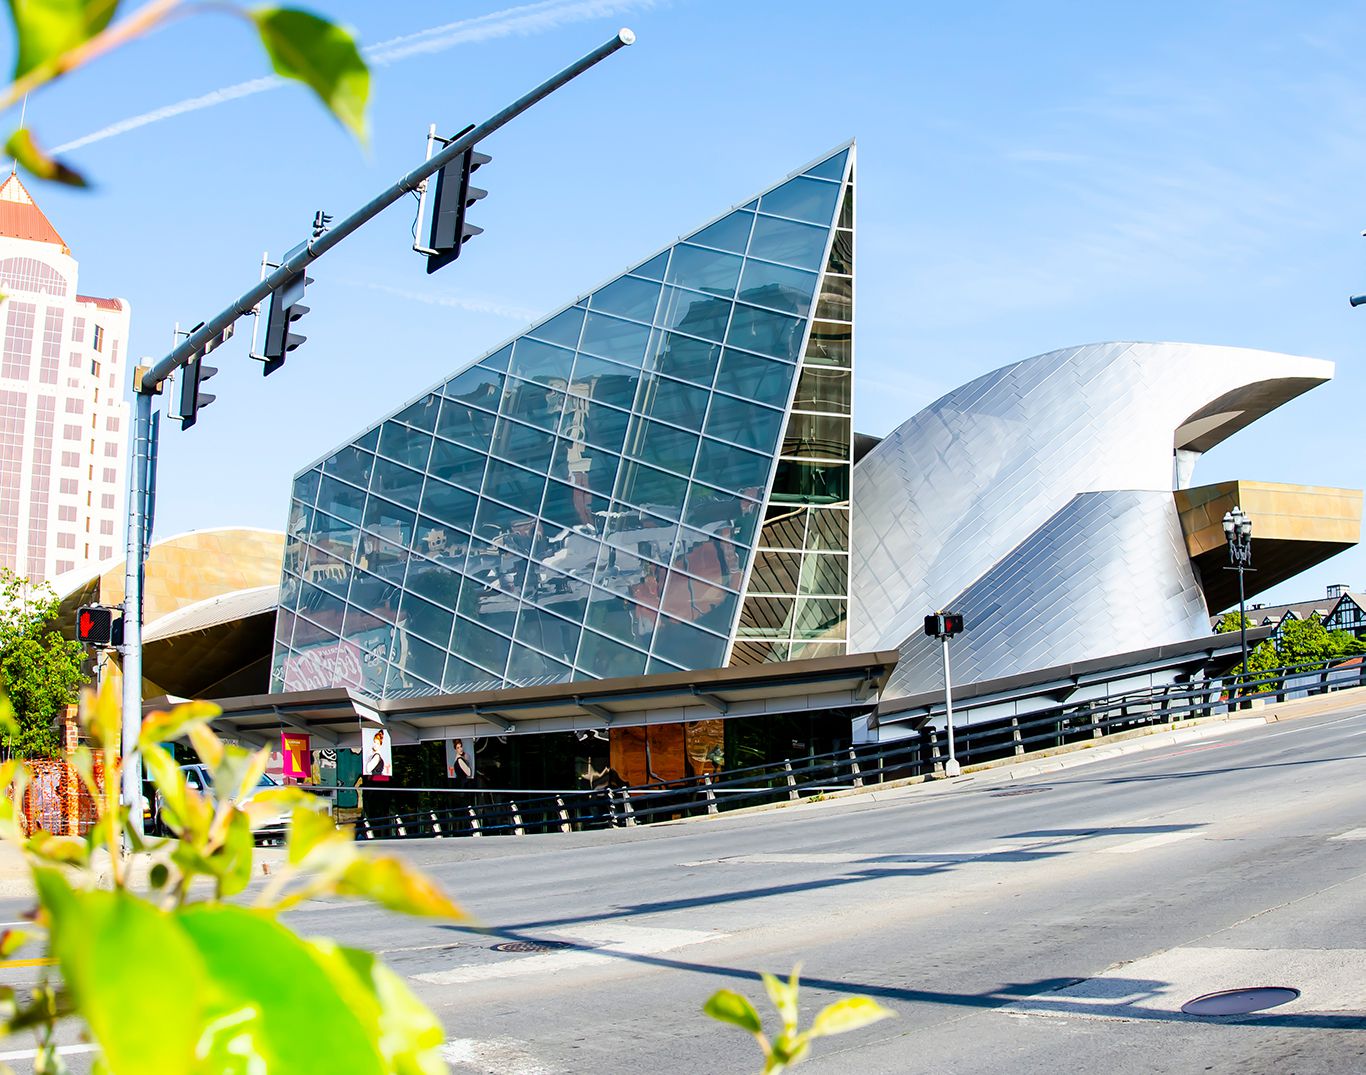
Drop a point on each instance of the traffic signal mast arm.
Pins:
(306, 253)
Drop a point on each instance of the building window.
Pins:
(71, 432)
(66, 513)
(71, 459)
(111, 475)
(18, 340)
(51, 359)
(29, 274)
(111, 449)
(65, 565)
(75, 406)
(66, 541)
(106, 551)
(70, 486)
(107, 501)
(78, 330)
(107, 527)
(111, 425)
(99, 337)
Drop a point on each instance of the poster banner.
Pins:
(377, 759)
(460, 761)
(298, 759)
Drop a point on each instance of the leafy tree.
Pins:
(39, 669)
(1308, 640)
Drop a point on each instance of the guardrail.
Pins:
(506, 811)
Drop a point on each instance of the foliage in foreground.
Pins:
(167, 982)
(55, 37)
(790, 1045)
(40, 671)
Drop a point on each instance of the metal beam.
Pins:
(706, 698)
(594, 710)
(495, 719)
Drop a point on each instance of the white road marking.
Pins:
(1330, 980)
(1147, 843)
(1350, 834)
(610, 939)
(497, 1054)
(62, 1050)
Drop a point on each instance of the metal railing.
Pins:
(505, 811)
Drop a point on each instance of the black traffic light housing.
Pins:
(192, 395)
(99, 625)
(454, 194)
(944, 625)
(286, 307)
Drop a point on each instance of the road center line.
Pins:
(62, 1050)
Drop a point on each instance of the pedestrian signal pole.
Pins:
(943, 626)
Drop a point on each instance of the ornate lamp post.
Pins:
(1238, 532)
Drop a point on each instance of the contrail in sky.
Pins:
(523, 20)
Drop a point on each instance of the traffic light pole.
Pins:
(151, 381)
(951, 767)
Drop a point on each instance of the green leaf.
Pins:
(315, 838)
(8, 725)
(274, 989)
(58, 850)
(320, 54)
(784, 998)
(848, 1014)
(787, 1050)
(48, 28)
(728, 1006)
(392, 883)
(408, 1035)
(165, 724)
(119, 957)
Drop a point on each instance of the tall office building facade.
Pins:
(63, 408)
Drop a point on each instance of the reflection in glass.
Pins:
(817, 436)
(751, 377)
(831, 344)
(703, 316)
(777, 287)
(601, 658)
(404, 444)
(448, 504)
(729, 233)
(743, 423)
(612, 337)
(684, 357)
(788, 242)
(351, 464)
(398, 483)
(628, 297)
(426, 620)
(533, 360)
(765, 332)
(422, 414)
(811, 483)
(810, 200)
(562, 329)
(686, 646)
(704, 270)
(486, 648)
(821, 389)
(642, 486)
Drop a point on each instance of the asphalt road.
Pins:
(1048, 925)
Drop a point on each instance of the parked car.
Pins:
(198, 777)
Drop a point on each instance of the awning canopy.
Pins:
(852, 683)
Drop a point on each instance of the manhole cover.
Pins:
(1017, 791)
(1240, 1001)
(530, 946)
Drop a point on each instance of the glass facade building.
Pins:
(655, 478)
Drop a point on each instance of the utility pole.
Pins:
(149, 380)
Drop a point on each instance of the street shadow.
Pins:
(1195, 773)
(1093, 998)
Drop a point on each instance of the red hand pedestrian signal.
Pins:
(96, 626)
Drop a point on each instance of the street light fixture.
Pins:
(1238, 533)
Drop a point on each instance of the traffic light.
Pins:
(192, 396)
(944, 625)
(449, 230)
(286, 307)
(99, 625)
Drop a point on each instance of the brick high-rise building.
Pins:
(63, 407)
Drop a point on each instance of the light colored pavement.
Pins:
(1053, 922)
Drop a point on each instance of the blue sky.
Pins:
(1031, 177)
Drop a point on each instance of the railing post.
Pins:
(474, 822)
(365, 824)
(564, 813)
(1015, 735)
(708, 794)
(402, 832)
(518, 829)
(854, 770)
(791, 780)
(436, 825)
(626, 808)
